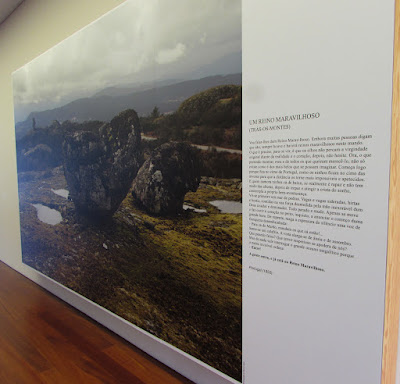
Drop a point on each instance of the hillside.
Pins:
(104, 106)
(176, 275)
(212, 117)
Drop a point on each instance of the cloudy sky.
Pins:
(139, 41)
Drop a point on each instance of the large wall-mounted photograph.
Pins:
(129, 138)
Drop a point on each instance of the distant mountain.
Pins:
(231, 63)
(104, 106)
(121, 90)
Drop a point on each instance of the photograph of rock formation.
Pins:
(128, 142)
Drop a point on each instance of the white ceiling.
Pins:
(7, 7)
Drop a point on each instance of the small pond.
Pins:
(197, 210)
(47, 215)
(61, 192)
(226, 206)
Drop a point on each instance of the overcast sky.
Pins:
(139, 41)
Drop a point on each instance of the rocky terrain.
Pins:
(141, 228)
(177, 277)
(172, 170)
(99, 166)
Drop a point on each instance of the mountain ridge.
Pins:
(104, 107)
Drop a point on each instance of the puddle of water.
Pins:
(148, 138)
(61, 192)
(226, 206)
(189, 207)
(218, 149)
(47, 215)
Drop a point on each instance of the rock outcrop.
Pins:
(37, 158)
(99, 166)
(172, 170)
(41, 148)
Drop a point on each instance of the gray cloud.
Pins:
(170, 55)
(137, 39)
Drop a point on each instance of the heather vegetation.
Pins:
(171, 267)
(212, 117)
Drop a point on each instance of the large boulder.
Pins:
(99, 166)
(41, 148)
(172, 170)
(36, 158)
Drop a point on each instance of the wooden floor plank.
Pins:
(13, 336)
(142, 367)
(44, 340)
(13, 368)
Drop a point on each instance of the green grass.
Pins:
(178, 278)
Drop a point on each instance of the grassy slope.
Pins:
(178, 278)
(212, 117)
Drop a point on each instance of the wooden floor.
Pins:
(44, 340)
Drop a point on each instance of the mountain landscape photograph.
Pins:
(129, 158)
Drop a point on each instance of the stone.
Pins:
(99, 166)
(172, 170)
(30, 147)
(36, 158)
